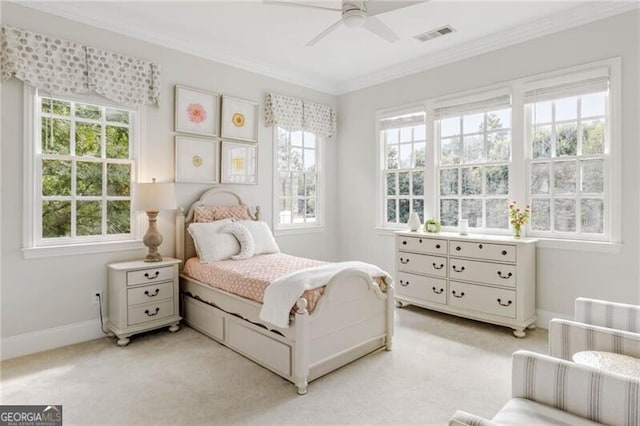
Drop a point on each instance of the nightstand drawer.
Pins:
(149, 293)
(149, 275)
(150, 312)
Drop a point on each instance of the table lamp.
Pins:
(151, 198)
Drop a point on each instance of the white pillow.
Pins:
(247, 244)
(261, 233)
(211, 244)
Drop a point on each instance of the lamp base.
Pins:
(153, 257)
(152, 239)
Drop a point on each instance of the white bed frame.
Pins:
(351, 319)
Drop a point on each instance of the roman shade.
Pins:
(296, 114)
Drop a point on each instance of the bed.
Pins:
(352, 318)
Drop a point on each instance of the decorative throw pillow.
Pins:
(247, 244)
(212, 244)
(211, 213)
(261, 233)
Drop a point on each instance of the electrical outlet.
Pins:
(97, 295)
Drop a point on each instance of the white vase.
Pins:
(463, 226)
(414, 222)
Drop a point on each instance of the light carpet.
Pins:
(439, 363)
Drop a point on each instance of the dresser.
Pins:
(482, 277)
(142, 296)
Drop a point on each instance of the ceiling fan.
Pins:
(355, 14)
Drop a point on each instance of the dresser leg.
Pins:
(519, 332)
(174, 327)
(123, 340)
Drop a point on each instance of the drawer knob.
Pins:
(437, 291)
(404, 242)
(152, 277)
(420, 240)
(504, 304)
(146, 311)
(458, 270)
(479, 246)
(458, 248)
(404, 261)
(437, 246)
(152, 295)
(504, 252)
(459, 296)
(404, 283)
(438, 267)
(504, 277)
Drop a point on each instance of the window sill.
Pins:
(579, 245)
(298, 230)
(389, 231)
(76, 249)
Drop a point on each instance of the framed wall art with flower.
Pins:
(239, 119)
(197, 160)
(196, 111)
(239, 163)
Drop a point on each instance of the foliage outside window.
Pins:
(404, 147)
(84, 167)
(298, 179)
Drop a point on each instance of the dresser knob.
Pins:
(458, 296)
(404, 283)
(149, 277)
(504, 304)
(420, 240)
(479, 245)
(504, 252)
(437, 291)
(458, 270)
(437, 246)
(146, 311)
(152, 295)
(458, 248)
(404, 243)
(404, 261)
(438, 267)
(504, 277)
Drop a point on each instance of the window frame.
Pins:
(34, 245)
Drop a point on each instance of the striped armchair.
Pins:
(552, 391)
(600, 326)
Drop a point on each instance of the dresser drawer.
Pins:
(143, 276)
(423, 245)
(485, 251)
(149, 293)
(422, 264)
(482, 272)
(489, 300)
(421, 287)
(150, 312)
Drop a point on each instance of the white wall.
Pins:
(48, 300)
(561, 275)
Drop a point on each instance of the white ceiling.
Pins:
(270, 39)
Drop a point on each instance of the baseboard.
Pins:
(37, 341)
(543, 318)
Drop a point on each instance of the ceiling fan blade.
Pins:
(305, 5)
(376, 7)
(324, 33)
(380, 29)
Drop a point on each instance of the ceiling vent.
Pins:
(447, 29)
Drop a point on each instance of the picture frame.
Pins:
(196, 111)
(239, 163)
(196, 160)
(239, 119)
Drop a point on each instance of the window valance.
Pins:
(296, 114)
(62, 67)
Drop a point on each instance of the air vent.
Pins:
(434, 33)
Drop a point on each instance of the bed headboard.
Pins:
(185, 248)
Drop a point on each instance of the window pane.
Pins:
(392, 157)
(295, 159)
(391, 183)
(57, 107)
(497, 180)
(392, 135)
(471, 181)
(540, 178)
(593, 105)
(298, 181)
(593, 137)
(55, 134)
(449, 212)
(391, 211)
(542, 112)
(310, 184)
(472, 211)
(418, 207)
(403, 183)
(117, 116)
(406, 134)
(56, 219)
(592, 216)
(450, 151)
(450, 127)
(88, 178)
(298, 211)
(118, 217)
(567, 139)
(418, 183)
(405, 156)
(284, 182)
(404, 211)
(117, 142)
(419, 153)
(499, 146)
(500, 119)
(473, 123)
(497, 216)
(309, 140)
(593, 176)
(296, 138)
(283, 156)
(540, 214)
(473, 149)
(88, 139)
(419, 132)
(88, 111)
(119, 180)
(309, 159)
(565, 177)
(311, 208)
(449, 182)
(56, 177)
(541, 143)
(566, 109)
(88, 218)
(565, 215)
(285, 210)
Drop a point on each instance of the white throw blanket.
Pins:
(282, 294)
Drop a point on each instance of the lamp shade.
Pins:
(155, 196)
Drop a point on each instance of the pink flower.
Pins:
(196, 113)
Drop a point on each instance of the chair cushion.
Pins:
(519, 411)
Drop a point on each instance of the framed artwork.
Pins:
(239, 119)
(196, 111)
(239, 163)
(197, 160)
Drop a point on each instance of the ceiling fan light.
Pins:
(354, 18)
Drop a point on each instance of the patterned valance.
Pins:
(64, 67)
(296, 114)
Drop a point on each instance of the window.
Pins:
(404, 144)
(298, 180)
(83, 165)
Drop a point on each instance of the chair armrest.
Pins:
(568, 337)
(620, 316)
(598, 395)
(462, 418)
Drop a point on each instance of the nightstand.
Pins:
(142, 296)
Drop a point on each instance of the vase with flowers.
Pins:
(518, 218)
